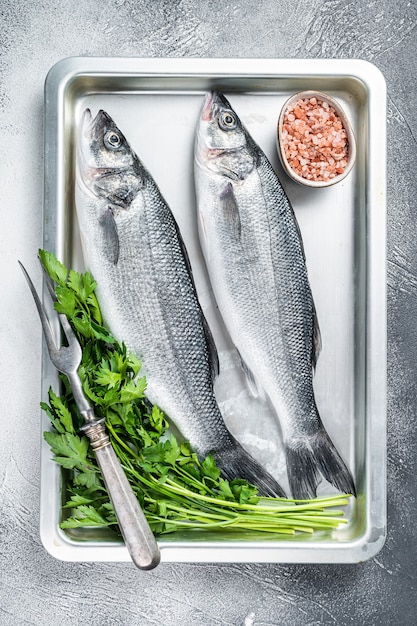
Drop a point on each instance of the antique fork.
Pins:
(134, 527)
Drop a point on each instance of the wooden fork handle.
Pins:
(133, 524)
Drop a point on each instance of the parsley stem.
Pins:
(120, 441)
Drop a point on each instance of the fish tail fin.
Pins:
(234, 462)
(311, 457)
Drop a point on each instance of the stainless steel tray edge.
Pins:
(61, 78)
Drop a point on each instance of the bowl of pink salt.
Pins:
(316, 143)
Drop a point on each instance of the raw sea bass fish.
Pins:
(255, 259)
(134, 250)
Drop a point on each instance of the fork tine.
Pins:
(49, 336)
(66, 326)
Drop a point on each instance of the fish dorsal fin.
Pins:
(111, 235)
(230, 209)
(211, 346)
(254, 388)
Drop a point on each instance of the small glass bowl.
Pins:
(350, 137)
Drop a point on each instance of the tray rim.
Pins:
(61, 77)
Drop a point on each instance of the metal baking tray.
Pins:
(156, 103)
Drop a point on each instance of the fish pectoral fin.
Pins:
(230, 209)
(111, 235)
(256, 390)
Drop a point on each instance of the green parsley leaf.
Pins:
(88, 478)
(68, 446)
(157, 420)
(77, 500)
(107, 378)
(83, 325)
(76, 283)
(54, 268)
(85, 515)
(172, 451)
(55, 421)
(210, 468)
(243, 492)
(66, 302)
(61, 411)
(94, 309)
(224, 490)
(101, 333)
(133, 390)
(134, 364)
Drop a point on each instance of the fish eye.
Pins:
(112, 140)
(227, 120)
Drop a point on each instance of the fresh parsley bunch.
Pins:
(175, 488)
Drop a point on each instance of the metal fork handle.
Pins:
(133, 524)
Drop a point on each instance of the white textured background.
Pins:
(35, 588)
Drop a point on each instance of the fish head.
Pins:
(107, 166)
(223, 145)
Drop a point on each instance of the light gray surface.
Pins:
(35, 588)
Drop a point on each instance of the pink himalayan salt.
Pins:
(314, 139)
